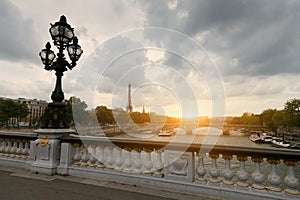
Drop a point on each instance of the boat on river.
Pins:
(256, 137)
(295, 144)
(165, 133)
(267, 137)
(261, 137)
(279, 142)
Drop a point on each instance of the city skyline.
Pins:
(254, 46)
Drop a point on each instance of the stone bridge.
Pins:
(205, 166)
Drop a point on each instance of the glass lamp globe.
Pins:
(61, 32)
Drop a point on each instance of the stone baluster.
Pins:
(25, 153)
(4, 142)
(77, 156)
(257, 176)
(158, 165)
(273, 178)
(22, 147)
(127, 160)
(227, 173)
(148, 162)
(100, 156)
(2, 146)
(7, 147)
(201, 170)
(23, 143)
(214, 173)
(291, 180)
(109, 161)
(242, 174)
(137, 160)
(92, 155)
(13, 150)
(118, 159)
(19, 148)
(11, 145)
(84, 157)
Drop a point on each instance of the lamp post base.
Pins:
(46, 151)
(55, 116)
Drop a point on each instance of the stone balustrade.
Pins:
(15, 149)
(253, 171)
(221, 172)
(123, 159)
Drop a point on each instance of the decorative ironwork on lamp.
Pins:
(63, 37)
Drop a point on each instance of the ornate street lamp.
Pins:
(63, 38)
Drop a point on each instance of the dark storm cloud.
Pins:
(261, 36)
(17, 36)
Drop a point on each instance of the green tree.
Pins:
(254, 120)
(250, 119)
(140, 118)
(280, 119)
(4, 114)
(76, 110)
(12, 110)
(292, 107)
(145, 118)
(245, 118)
(234, 120)
(104, 115)
(267, 118)
(23, 111)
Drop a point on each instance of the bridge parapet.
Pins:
(15, 149)
(222, 172)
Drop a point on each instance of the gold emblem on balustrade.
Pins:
(44, 141)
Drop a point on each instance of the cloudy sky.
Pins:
(187, 58)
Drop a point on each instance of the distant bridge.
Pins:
(249, 127)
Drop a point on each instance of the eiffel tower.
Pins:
(129, 105)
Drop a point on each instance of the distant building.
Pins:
(4, 98)
(36, 110)
(129, 107)
(143, 110)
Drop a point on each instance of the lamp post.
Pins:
(63, 38)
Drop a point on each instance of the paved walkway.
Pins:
(16, 184)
